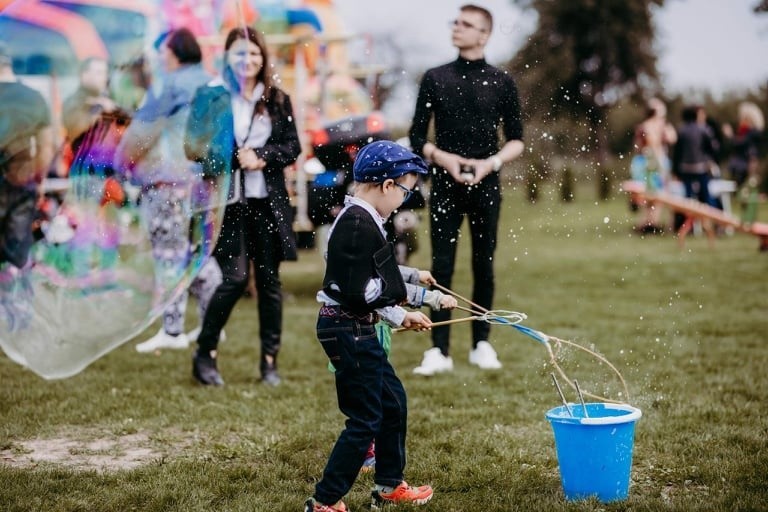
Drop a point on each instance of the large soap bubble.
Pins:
(91, 278)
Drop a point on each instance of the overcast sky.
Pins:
(718, 44)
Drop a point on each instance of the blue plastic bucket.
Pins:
(595, 452)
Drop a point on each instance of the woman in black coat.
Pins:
(242, 124)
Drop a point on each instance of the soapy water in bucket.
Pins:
(92, 279)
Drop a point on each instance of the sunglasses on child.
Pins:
(406, 191)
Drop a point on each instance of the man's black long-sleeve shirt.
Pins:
(469, 100)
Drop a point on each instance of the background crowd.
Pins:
(134, 126)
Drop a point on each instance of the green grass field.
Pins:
(686, 328)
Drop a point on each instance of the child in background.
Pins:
(362, 282)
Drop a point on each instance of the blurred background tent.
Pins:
(308, 42)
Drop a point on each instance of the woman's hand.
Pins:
(249, 161)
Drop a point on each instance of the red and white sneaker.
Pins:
(313, 506)
(403, 493)
(370, 459)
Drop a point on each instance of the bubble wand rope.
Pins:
(544, 339)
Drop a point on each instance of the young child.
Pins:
(416, 297)
(362, 282)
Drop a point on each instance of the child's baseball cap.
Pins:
(383, 160)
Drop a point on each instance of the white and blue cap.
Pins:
(383, 160)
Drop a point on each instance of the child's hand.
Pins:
(416, 320)
(425, 276)
(448, 302)
(438, 300)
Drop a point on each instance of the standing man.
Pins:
(26, 150)
(694, 153)
(86, 105)
(468, 99)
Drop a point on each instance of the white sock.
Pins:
(384, 488)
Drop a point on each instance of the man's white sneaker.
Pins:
(195, 333)
(434, 362)
(484, 356)
(163, 340)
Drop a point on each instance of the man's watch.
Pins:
(497, 162)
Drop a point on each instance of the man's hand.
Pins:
(450, 162)
(482, 169)
(416, 320)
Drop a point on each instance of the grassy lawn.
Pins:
(686, 328)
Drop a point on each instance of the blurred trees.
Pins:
(585, 57)
(583, 77)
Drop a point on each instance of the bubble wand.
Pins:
(514, 319)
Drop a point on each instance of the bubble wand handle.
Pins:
(562, 396)
(437, 324)
(451, 292)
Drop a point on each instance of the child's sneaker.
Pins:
(369, 465)
(163, 340)
(403, 493)
(370, 459)
(313, 506)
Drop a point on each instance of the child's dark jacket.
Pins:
(358, 252)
